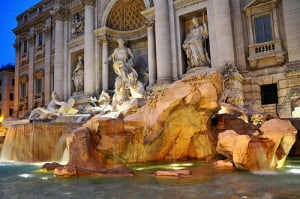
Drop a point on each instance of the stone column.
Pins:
(47, 74)
(224, 36)
(17, 46)
(151, 54)
(31, 50)
(60, 16)
(249, 25)
(275, 23)
(89, 47)
(105, 65)
(291, 12)
(163, 42)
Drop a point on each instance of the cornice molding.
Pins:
(180, 4)
(88, 2)
(61, 13)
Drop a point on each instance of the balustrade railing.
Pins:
(265, 48)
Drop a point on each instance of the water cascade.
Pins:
(260, 149)
(34, 142)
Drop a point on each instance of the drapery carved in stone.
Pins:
(125, 15)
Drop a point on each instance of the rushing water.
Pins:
(23, 181)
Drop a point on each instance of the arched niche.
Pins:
(109, 5)
(123, 18)
(74, 60)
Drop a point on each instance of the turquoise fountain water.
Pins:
(23, 181)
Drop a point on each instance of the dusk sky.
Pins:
(9, 10)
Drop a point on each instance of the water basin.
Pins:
(24, 181)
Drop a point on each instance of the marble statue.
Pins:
(194, 45)
(53, 109)
(101, 105)
(122, 58)
(232, 86)
(78, 75)
(77, 24)
(136, 88)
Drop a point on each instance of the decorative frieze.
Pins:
(23, 79)
(149, 14)
(88, 2)
(127, 35)
(39, 74)
(61, 13)
(180, 4)
(76, 42)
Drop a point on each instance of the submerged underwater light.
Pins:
(295, 171)
(26, 175)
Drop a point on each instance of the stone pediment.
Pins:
(258, 3)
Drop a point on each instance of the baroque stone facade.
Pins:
(259, 38)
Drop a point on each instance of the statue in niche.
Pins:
(78, 75)
(77, 24)
(122, 58)
(53, 109)
(194, 45)
(123, 65)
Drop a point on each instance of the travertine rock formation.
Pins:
(267, 150)
(173, 125)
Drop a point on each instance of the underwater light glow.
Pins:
(26, 175)
(295, 171)
(181, 164)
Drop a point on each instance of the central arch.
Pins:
(109, 6)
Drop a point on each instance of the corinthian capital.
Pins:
(88, 2)
(61, 13)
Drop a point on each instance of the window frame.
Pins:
(25, 47)
(265, 99)
(40, 39)
(11, 96)
(23, 90)
(255, 32)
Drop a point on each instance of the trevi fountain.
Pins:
(193, 138)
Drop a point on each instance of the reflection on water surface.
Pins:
(24, 181)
